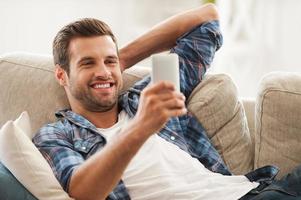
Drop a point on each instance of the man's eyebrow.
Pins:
(89, 58)
(112, 57)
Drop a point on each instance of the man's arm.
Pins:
(163, 36)
(96, 178)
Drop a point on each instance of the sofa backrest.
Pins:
(28, 83)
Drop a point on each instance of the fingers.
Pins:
(158, 103)
(174, 104)
(174, 107)
(176, 112)
(163, 101)
(167, 95)
(161, 86)
(164, 90)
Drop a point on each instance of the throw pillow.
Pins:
(26, 163)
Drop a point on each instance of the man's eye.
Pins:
(87, 63)
(111, 62)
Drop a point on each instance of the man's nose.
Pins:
(102, 70)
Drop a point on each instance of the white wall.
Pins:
(30, 25)
(260, 37)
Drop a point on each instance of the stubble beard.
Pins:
(92, 102)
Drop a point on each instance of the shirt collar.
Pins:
(75, 119)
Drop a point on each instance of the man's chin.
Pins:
(102, 107)
(100, 103)
(105, 109)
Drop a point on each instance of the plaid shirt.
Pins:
(72, 139)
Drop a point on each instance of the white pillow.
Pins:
(26, 163)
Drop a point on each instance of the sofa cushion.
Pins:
(24, 160)
(30, 85)
(278, 121)
(216, 105)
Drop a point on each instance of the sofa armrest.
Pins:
(278, 121)
(215, 103)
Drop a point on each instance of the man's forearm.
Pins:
(163, 36)
(97, 177)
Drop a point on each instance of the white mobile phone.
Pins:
(166, 67)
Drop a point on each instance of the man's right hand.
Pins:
(159, 102)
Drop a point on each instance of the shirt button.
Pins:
(83, 148)
(172, 138)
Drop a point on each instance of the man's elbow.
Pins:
(212, 11)
(77, 194)
(84, 196)
(80, 191)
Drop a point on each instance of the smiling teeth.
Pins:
(106, 85)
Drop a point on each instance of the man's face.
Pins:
(95, 76)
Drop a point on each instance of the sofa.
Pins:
(248, 133)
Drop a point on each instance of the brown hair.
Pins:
(87, 27)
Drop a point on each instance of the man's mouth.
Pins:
(102, 85)
(106, 85)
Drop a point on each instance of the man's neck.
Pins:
(100, 119)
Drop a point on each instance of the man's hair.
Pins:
(87, 27)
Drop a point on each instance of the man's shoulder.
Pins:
(58, 125)
(56, 129)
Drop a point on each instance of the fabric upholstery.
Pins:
(249, 105)
(215, 103)
(29, 85)
(278, 121)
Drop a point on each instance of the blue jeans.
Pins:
(11, 188)
(287, 188)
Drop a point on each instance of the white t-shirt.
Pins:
(161, 170)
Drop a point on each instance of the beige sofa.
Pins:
(247, 133)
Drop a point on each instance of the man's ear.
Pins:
(60, 75)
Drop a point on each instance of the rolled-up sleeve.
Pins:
(196, 50)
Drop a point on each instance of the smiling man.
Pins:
(93, 81)
(141, 144)
(98, 91)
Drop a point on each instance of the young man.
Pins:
(142, 144)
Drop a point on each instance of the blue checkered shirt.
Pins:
(72, 139)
